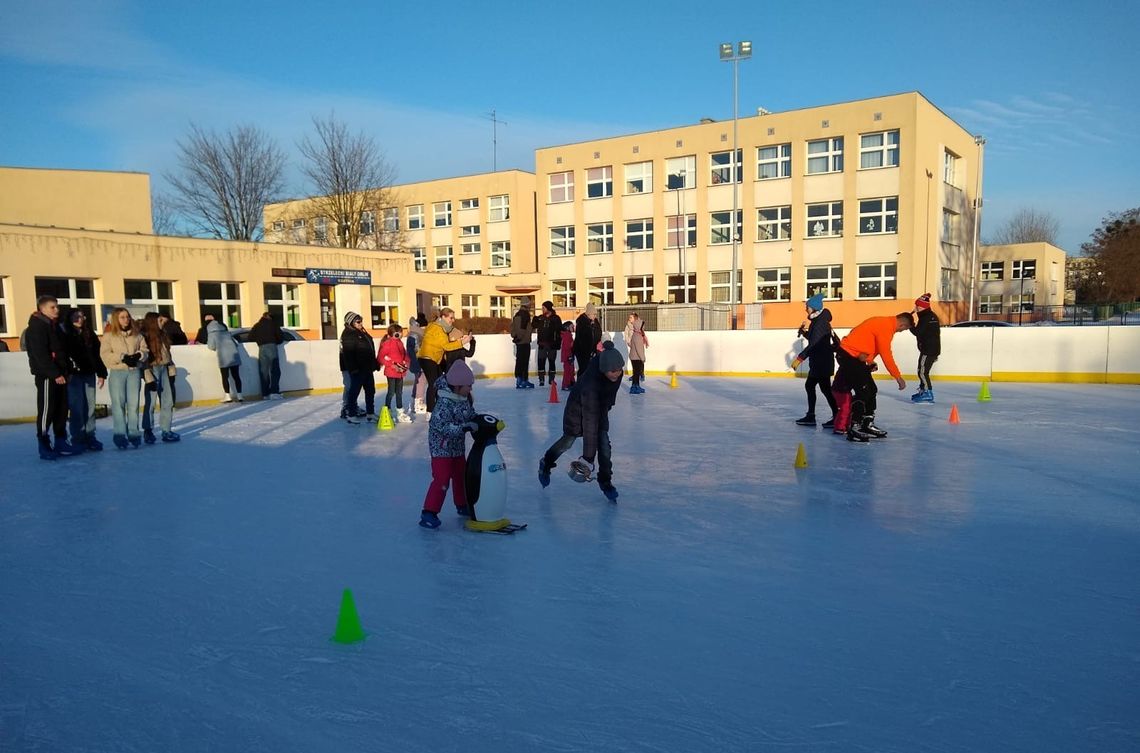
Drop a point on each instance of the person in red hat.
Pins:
(927, 332)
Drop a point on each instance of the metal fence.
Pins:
(680, 317)
(1072, 314)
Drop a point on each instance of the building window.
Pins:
(774, 223)
(681, 172)
(825, 220)
(563, 294)
(946, 284)
(500, 254)
(562, 241)
(278, 226)
(419, 256)
(682, 288)
(468, 230)
(299, 224)
(600, 290)
(639, 289)
(681, 229)
(1019, 269)
(639, 177)
(441, 301)
(367, 222)
(385, 306)
(950, 168)
(499, 208)
(470, 248)
(499, 306)
(879, 215)
(222, 300)
(320, 230)
(950, 227)
(877, 281)
(157, 295)
(4, 307)
(282, 301)
(879, 150)
(722, 167)
(599, 182)
(469, 304)
(1021, 302)
(720, 226)
(721, 285)
(825, 156)
(444, 258)
(826, 280)
(774, 284)
(989, 304)
(993, 270)
(469, 203)
(639, 235)
(600, 238)
(391, 219)
(561, 187)
(71, 294)
(416, 217)
(441, 211)
(774, 162)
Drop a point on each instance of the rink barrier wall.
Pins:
(1088, 355)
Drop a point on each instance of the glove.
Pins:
(581, 470)
(132, 360)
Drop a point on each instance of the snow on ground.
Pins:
(965, 587)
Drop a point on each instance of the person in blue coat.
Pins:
(219, 340)
(820, 357)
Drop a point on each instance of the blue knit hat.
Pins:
(815, 303)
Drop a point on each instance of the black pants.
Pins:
(857, 375)
(51, 408)
(362, 380)
(227, 372)
(638, 371)
(823, 380)
(522, 361)
(925, 364)
(431, 372)
(605, 460)
(395, 390)
(548, 357)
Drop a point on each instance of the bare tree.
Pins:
(225, 180)
(164, 217)
(1115, 249)
(351, 183)
(1027, 226)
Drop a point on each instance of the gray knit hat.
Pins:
(351, 317)
(610, 359)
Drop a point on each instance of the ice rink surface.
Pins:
(971, 587)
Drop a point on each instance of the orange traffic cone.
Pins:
(553, 393)
(954, 414)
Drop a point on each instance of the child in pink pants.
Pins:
(453, 417)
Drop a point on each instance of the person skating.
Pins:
(88, 373)
(927, 332)
(637, 342)
(548, 336)
(587, 336)
(856, 356)
(359, 358)
(521, 332)
(452, 417)
(587, 415)
(48, 361)
(820, 357)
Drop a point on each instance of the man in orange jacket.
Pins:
(856, 356)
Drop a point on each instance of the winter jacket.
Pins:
(223, 343)
(174, 332)
(358, 354)
(587, 336)
(928, 333)
(393, 358)
(459, 354)
(567, 347)
(636, 340)
(873, 338)
(265, 332)
(415, 337)
(47, 351)
(83, 352)
(202, 338)
(547, 330)
(115, 346)
(446, 428)
(522, 327)
(587, 412)
(818, 352)
(435, 342)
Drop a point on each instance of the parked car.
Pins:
(981, 323)
(241, 334)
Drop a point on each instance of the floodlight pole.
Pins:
(729, 52)
(980, 141)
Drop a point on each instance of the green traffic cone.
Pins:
(984, 393)
(348, 628)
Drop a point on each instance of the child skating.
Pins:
(452, 418)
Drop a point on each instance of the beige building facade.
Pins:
(1026, 279)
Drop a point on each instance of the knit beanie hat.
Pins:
(591, 309)
(460, 374)
(548, 305)
(815, 303)
(351, 317)
(922, 302)
(610, 359)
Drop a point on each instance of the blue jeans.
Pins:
(269, 369)
(81, 403)
(123, 384)
(165, 399)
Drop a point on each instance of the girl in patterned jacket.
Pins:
(453, 417)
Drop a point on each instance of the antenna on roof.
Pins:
(495, 139)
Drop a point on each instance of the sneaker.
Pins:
(170, 436)
(609, 490)
(808, 420)
(544, 472)
(463, 512)
(148, 436)
(829, 423)
(65, 448)
(46, 452)
(240, 399)
(92, 444)
(120, 441)
(136, 441)
(276, 396)
(429, 519)
(227, 398)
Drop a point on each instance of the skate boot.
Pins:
(46, 451)
(463, 512)
(927, 397)
(867, 426)
(148, 436)
(120, 441)
(608, 490)
(93, 444)
(855, 434)
(544, 472)
(808, 420)
(917, 397)
(429, 519)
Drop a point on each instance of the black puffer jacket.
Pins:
(357, 353)
(587, 412)
(587, 335)
(83, 352)
(47, 352)
(548, 330)
(818, 351)
(928, 332)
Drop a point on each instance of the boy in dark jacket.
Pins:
(47, 359)
(820, 357)
(587, 336)
(267, 334)
(587, 415)
(927, 331)
(88, 373)
(548, 334)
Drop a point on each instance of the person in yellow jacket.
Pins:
(430, 352)
(856, 356)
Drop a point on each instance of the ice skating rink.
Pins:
(970, 587)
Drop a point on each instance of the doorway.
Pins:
(328, 312)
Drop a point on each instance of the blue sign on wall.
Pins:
(320, 276)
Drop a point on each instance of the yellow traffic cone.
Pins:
(348, 628)
(984, 393)
(385, 422)
(673, 381)
(801, 457)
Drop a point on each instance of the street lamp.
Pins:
(980, 141)
(681, 224)
(742, 51)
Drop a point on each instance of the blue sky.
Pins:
(113, 84)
